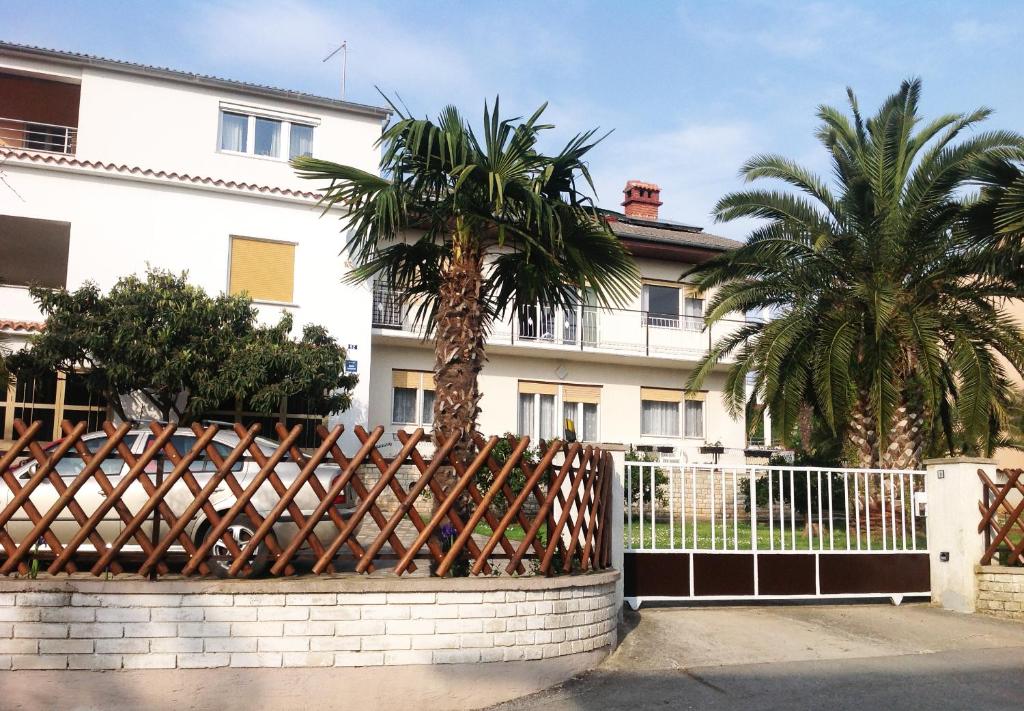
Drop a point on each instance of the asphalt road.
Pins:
(861, 657)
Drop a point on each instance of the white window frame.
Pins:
(252, 113)
(559, 414)
(424, 419)
(702, 436)
(578, 419)
(680, 408)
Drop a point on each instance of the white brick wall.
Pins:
(1000, 592)
(90, 625)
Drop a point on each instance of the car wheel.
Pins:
(220, 558)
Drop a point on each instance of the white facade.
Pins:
(144, 182)
(614, 355)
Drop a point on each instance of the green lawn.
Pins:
(514, 532)
(740, 537)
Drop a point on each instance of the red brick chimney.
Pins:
(641, 200)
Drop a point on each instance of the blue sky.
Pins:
(691, 88)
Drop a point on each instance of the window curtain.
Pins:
(428, 407)
(268, 137)
(659, 418)
(404, 406)
(548, 426)
(694, 418)
(234, 131)
(526, 414)
(589, 429)
(301, 141)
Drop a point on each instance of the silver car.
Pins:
(179, 497)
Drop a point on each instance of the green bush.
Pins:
(517, 477)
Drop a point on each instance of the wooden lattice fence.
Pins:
(231, 503)
(1002, 517)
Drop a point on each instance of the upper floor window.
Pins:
(669, 306)
(34, 252)
(265, 136)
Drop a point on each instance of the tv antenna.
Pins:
(343, 48)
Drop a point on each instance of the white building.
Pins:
(618, 374)
(108, 166)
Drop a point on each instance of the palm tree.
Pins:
(883, 286)
(467, 228)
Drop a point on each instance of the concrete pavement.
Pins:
(790, 657)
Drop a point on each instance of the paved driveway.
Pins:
(861, 657)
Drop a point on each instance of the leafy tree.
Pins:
(883, 285)
(181, 350)
(468, 227)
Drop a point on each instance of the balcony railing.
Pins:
(581, 328)
(35, 136)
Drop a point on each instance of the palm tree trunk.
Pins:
(861, 435)
(906, 438)
(459, 354)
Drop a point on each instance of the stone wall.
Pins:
(1000, 591)
(85, 623)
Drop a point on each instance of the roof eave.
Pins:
(73, 59)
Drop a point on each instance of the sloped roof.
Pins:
(88, 60)
(669, 233)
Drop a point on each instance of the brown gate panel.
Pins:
(845, 573)
(723, 574)
(656, 574)
(785, 574)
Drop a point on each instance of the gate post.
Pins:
(954, 544)
(615, 521)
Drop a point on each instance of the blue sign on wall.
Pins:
(351, 366)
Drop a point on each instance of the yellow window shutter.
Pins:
(530, 387)
(661, 395)
(406, 379)
(696, 396)
(428, 381)
(263, 269)
(590, 394)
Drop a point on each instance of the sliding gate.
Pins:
(703, 532)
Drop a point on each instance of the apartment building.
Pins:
(617, 374)
(107, 166)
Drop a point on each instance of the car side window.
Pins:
(71, 463)
(183, 443)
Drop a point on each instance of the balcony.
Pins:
(38, 114)
(586, 330)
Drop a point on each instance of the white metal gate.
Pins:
(735, 532)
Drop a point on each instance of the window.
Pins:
(660, 412)
(234, 132)
(265, 136)
(693, 309)
(34, 252)
(661, 305)
(694, 417)
(263, 269)
(669, 413)
(268, 137)
(301, 141)
(412, 400)
(540, 403)
(51, 399)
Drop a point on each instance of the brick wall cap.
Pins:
(343, 583)
(997, 570)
